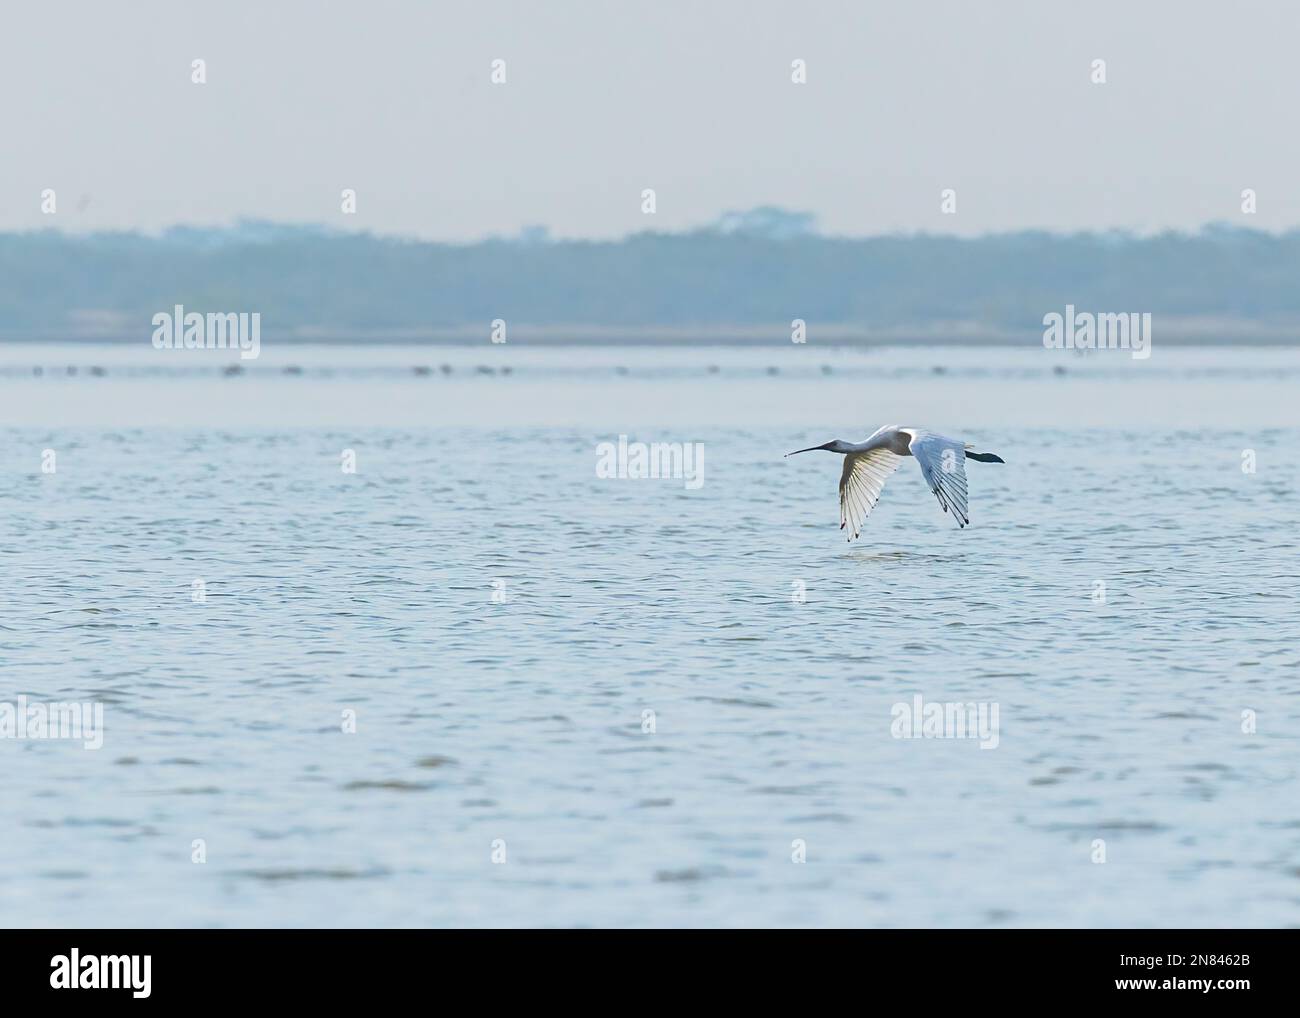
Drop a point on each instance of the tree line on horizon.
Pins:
(305, 277)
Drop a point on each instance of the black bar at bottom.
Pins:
(336, 967)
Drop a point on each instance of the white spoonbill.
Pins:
(867, 465)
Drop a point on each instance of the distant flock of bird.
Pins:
(481, 369)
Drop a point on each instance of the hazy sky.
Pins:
(690, 97)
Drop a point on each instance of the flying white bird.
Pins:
(867, 465)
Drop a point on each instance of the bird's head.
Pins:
(836, 445)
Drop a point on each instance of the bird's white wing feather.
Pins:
(861, 482)
(943, 462)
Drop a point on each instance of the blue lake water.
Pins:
(499, 621)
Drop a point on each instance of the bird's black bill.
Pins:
(811, 448)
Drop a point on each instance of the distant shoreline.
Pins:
(1193, 334)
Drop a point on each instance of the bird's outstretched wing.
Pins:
(863, 479)
(943, 462)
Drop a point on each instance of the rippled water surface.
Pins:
(520, 719)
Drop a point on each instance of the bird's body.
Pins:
(867, 465)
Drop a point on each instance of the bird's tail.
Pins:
(983, 457)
